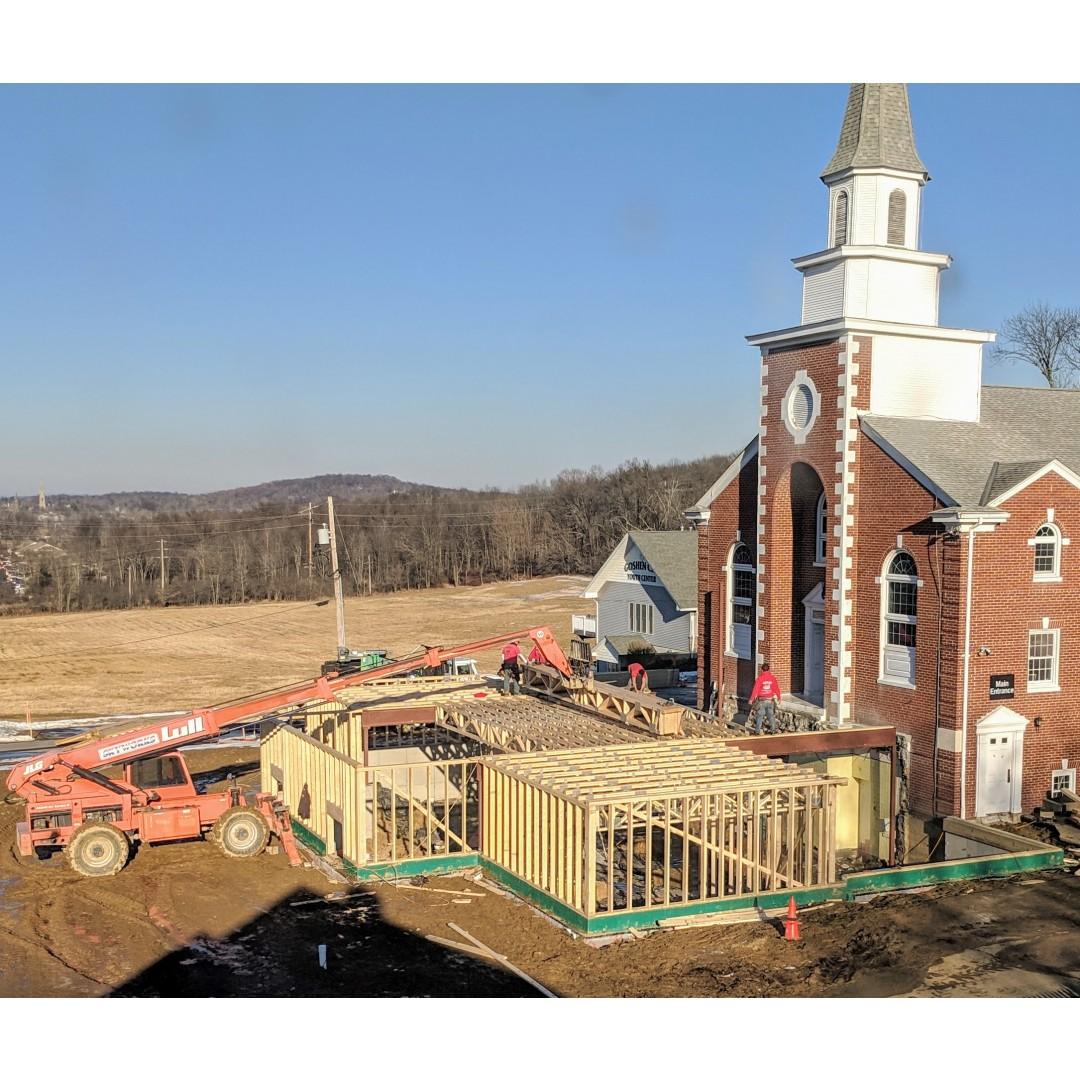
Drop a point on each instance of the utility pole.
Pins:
(163, 572)
(310, 550)
(339, 599)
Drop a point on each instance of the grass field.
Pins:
(73, 666)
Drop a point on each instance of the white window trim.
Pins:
(1070, 773)
(729, 635)
(846, 238)
(821, 530)
(647, 617)
(886, 618)
(1058, 542)
(1052, 685)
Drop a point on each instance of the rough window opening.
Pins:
(897, 217)
(900, 603)
(740, 602)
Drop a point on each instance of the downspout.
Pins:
(967, 672)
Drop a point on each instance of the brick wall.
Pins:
(783, 571)
(1007, 604)
(733, 516)
(890, 504)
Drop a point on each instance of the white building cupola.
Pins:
(871, 266)
(872, 281)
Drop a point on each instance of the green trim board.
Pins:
(887, 880)
(407, 868)
(980, 866)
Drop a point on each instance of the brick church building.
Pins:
(895, 540)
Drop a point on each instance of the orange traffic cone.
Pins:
(791, 922)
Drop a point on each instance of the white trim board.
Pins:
(1053, 466)
(741, 461)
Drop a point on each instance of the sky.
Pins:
(204, 287)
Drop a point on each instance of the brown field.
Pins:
(99, 663)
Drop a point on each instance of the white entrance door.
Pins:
(814, 646)
(1000, 762)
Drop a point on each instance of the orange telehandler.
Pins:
(96, 798)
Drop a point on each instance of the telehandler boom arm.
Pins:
(28, 777)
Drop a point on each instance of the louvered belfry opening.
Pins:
(897, 216)
(840, 233)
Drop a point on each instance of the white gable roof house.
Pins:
(646, 596)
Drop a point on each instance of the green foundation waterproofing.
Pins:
(891, 879)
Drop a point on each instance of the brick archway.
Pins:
(791, 571)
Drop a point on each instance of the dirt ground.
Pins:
(183, 920)
(101, 663)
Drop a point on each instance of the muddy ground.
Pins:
(181, 919)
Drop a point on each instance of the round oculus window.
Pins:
(801, 407)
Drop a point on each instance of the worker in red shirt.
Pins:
(767, 692)
(510, 668)
(639, 679)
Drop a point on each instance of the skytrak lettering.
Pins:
(153, 738)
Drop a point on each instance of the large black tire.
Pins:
(241, 832)
(98, 849)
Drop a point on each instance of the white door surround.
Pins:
(814, 645)
(999, 762)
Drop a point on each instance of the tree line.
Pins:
(387, 542)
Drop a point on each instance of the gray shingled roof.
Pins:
(673, 555)
(1020, 430)
(876, 131)
(622, 644)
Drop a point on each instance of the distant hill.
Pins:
(344, 486)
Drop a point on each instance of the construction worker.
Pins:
(639, 678)
(767, 693)
(510, 668)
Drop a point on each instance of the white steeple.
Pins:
(872, 282)
(871, 266)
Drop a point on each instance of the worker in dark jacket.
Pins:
(767, 692)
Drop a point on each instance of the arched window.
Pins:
(1047, 544)
(741, 600)
(897, 217)
(821, 530)
(899, 618)
(840, 220)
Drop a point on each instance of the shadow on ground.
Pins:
(277, 954)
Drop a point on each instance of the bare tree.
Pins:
(1047, 338)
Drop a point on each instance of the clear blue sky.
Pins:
(212, 286)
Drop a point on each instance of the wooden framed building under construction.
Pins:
(585, 817)
(652, 825)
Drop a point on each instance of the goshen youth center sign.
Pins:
(1002, 686)
(639, 570)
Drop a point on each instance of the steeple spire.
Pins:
(876, 132)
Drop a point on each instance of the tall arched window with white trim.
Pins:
(899, 618)
(1047, 545)
(821, 530)
(840, 216)
(741, 599)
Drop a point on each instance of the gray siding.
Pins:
(671, 627)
